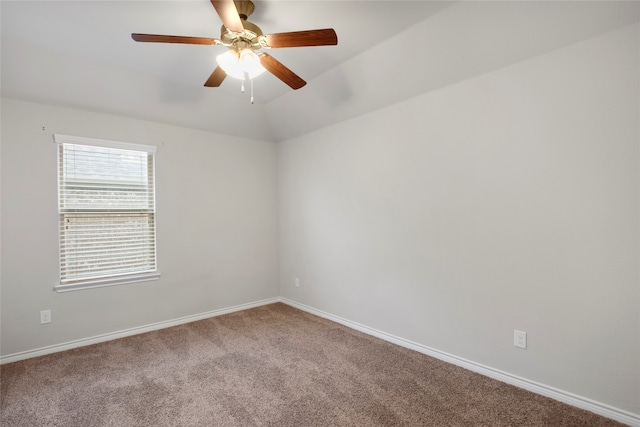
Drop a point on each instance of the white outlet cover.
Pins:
(520, 339)
(45, 317)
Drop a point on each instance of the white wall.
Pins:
(508, 201)
(216, 220)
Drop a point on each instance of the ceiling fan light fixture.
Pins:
(228, 61)
(236, 64)
(250, 62)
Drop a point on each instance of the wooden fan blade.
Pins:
(276, 68)
(228, 14)
(156, 38)
(216, 78)
(326, 37)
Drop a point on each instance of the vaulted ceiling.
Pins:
(80, 54)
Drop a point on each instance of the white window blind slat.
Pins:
(95, 238)
(106, 207)
(90, 272)
(111, 253)
(72, 254)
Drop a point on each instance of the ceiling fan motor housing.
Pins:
(251, 31)
(245, 8)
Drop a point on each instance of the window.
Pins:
(106, 209)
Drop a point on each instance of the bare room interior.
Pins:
(439, 189)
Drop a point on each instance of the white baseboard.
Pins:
(533, 386)
(132, 331)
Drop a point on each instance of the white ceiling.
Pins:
(80, 54)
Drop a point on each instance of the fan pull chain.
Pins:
(242, 88)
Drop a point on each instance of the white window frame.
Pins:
(72, 284)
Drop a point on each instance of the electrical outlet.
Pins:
(297, 282)
(45, 317)
(520, 339)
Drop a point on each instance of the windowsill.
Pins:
(101, 283)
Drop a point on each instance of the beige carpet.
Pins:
(268, 366)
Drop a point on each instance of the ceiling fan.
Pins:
(244, 39)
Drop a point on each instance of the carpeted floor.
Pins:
(269, 366)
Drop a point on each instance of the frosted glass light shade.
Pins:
(250, 62)
(236, 64)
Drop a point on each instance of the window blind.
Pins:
(106, 206)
